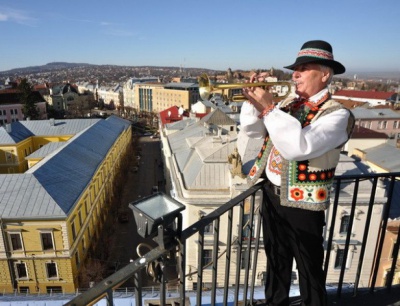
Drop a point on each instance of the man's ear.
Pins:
(326, 76)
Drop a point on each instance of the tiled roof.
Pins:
(350, 104)
(171, 115)
(362, 132)
(12, 96)
(381, 95)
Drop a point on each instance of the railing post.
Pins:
(347, 243)
(163, 293)
(182, 269)
(365, 236)
(137, 281)
(228, 256)
(109, 297)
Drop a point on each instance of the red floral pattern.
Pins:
(297, 194)
(321, 194)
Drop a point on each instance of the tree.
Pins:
(27, 99)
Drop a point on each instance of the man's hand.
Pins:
(259, 97)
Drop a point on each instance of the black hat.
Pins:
(320, 52)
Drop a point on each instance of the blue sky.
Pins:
(215, 34)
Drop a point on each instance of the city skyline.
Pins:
(209, 34)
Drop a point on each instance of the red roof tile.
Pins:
(364, 133)
(363, 94)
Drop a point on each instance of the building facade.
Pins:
(199, 175)
(379, 120)
(11, 108)
(46, 232)
(373, 98)
(155, 97)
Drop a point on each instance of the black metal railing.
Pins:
(240, 250)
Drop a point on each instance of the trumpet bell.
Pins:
(205, 89)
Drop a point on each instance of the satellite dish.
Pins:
(169, 113)
(181, 110)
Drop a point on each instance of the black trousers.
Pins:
(293, 233)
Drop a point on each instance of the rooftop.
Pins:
(39, 192)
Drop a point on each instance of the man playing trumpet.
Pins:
(303, 138)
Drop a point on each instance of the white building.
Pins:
(196, 159)
(128, 90)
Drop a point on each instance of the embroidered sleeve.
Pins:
(297, 143)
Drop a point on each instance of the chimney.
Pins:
(8, 128)
(51, 121)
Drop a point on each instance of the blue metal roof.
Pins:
(51, 188)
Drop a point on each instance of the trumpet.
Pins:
(206, 88)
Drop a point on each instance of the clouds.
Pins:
(17, 16)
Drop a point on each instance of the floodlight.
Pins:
(155, 210)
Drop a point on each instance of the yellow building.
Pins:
(51, 215)
(155, 97)
(388, 249)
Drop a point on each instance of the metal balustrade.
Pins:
(239, 254)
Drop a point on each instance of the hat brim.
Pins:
(337, 67)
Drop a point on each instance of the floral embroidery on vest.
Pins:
(275, 161)
(301, 186)
(296, 109)
(305, 185)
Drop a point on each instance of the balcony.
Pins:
(359, 268)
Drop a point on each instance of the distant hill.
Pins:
(58, 72)
(45, 68)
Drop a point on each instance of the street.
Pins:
(139, 184)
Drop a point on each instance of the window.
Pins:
(339, 258)
(54, 289)
(86, 208)
(51, 269)
(77, 260)
(395, 124)
(382, 125)
(47, 241)
(80, 216)
(16, 241)
(246, 255)
(247, 227)
(207, 258)
(366, 124)
(9, 157)
(344, 224)
(21, 270)
(73, 230)
(209, 228)
(23, 289)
